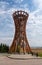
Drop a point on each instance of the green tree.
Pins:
(4, 48)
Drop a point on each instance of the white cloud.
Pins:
(2, 12)
(34, 27)
(38, 3)
(24, 5)
(18, 1)
(3, 7)
(6, 40)
(12, 10)
(35, 17)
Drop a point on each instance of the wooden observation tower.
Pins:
(20, 43)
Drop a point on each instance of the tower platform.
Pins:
(23, 57)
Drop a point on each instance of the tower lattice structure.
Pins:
(20, 43)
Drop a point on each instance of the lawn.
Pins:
(40, 54)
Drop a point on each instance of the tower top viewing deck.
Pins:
(20, 14)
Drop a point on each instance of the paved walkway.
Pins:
(22, 57)
(7, 61)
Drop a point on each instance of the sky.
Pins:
(34, 22)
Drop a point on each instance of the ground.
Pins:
(4, 60)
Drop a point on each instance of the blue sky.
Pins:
(34, 22)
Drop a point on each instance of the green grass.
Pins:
(40, 54)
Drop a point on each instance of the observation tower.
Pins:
(20, 43)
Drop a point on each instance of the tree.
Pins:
(4, 48)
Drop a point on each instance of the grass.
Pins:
(40, 54)
(37, 50)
